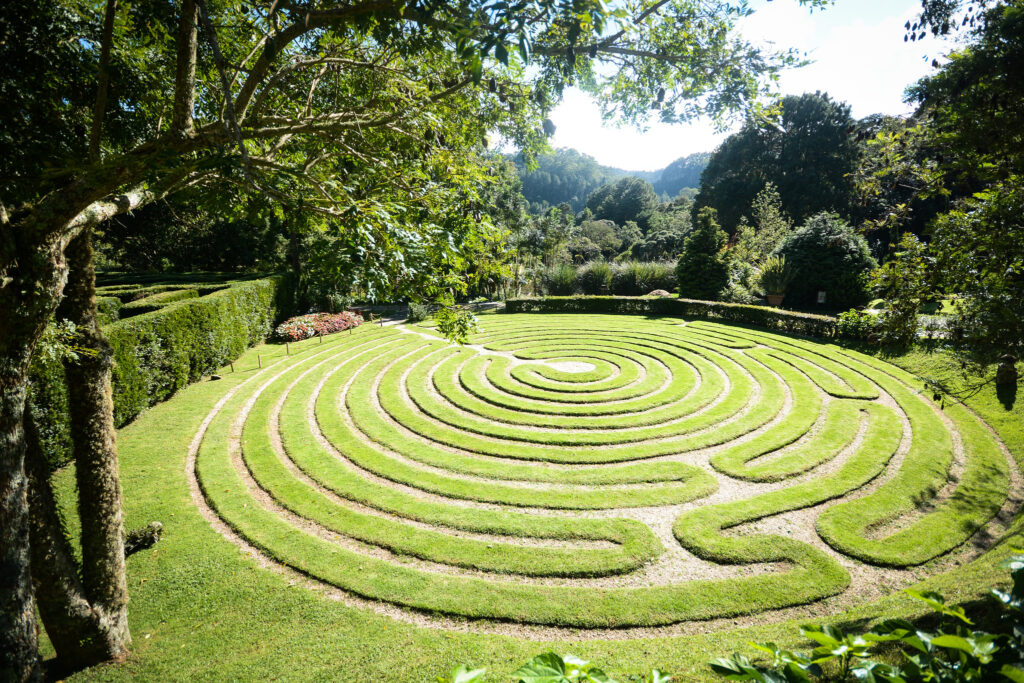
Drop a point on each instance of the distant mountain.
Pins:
(683, 172)
(569, 176)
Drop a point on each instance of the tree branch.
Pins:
(99, 109)
(185, 76)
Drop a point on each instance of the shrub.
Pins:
(761, 316)
(107, 309)
(157, 353)
(854, 324)
(827, 255)
(419, 312)
(702, 271)
(560, 280)
(595, 277)
(316, 324)
(903, 282)
(956, 652)
(549, 667)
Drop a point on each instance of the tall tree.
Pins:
(703, 268)
(350, 110)
(808, 155)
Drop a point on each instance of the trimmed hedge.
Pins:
(772, 318)
(155, 302)
(108, 309)
(159, 352)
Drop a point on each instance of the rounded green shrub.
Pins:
(826, 254)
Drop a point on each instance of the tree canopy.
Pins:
(808, 155)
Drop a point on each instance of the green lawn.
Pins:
(432, 462)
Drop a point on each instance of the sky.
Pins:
(858, 54)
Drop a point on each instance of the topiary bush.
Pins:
(703, 271)
(827, 255)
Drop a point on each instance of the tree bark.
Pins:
(185, 76)
(29, 290)
(94, 448)
(71, 623)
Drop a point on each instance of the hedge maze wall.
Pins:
(595, 472)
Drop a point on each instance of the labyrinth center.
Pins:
(595, 471)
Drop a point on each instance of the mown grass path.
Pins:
(562, 477)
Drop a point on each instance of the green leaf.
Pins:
(1013, 673)
(544, 668)
(501, 53)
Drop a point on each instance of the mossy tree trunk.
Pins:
(29, 291)
(102, 631)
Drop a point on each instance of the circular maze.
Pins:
(596, 472)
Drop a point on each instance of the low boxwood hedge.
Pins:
(154, 302)
(772, 318)
(159, 352)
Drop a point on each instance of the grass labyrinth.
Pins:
(595, 472)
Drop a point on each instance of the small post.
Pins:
(259, 361)
(321, 335)
(287, 349)
(232, 364)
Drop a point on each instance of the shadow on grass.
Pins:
(1007, 394)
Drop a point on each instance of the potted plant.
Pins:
(775, 278)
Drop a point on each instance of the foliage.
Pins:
(755, 241)
(827, 255)
(189, 232)
(316, 325)
(455, 323)
(904, 282)
(419, 312)
(560, 280)
(702, 270)
(979, 248)
(629, 199)
(761, 316)
(595, 277)
(742, 283)
(854, 324)
(638, 278)
(549, 667)
(156, 301)
(600, 233)
(900, 184)
(158, 353)
(624, 278)
(776, 275)
(954, 653)
(562, 176)
(972, 101)
(808, 156)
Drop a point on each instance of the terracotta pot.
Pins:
(775, 300)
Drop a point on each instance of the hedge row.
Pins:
(155, 302)
(772, 318)
(159, 352)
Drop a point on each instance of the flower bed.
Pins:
(306, 326)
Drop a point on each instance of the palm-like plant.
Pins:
(776, 275)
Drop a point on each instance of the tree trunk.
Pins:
(29, 291)
(18, 631)
(94, 449)
(70, 621)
